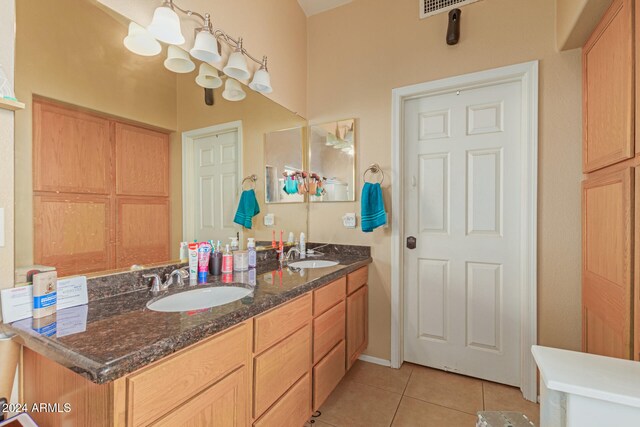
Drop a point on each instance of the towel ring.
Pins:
(252, 179)
(374, 169)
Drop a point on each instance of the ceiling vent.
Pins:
(433, 7)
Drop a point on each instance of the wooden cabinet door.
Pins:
(142, 161)
(72, 232)
(357, 324)
(636, 270)
(142, 230)
(224, 404)
(607, 209)
(608, 89)
(71, 150)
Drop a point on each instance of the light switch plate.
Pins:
(269, 220)
(1, 227)
(349, 220)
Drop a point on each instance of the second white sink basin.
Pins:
(199, 299)
(321, 263)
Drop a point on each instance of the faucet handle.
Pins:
(155, 282)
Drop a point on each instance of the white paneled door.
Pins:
(462, 205)
(215, 165)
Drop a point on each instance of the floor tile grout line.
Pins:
(375, 386)
(401, 398)
(438, 404)
(484, 405)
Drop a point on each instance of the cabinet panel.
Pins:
(357, 279)
(72, 233)
(329, 295)
(280, 322)
(142, 161)
(142, 229)
(292, 410)
(327, 374)
(279, 368)
(357, 324)
(636, 261)
(222, 405)
(166, 385)
(71, 150)
(607, 206)
(608, 91)
(328, 330)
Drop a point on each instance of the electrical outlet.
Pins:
(269, 220)
(349, 220)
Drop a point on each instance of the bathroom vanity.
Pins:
(270, 359)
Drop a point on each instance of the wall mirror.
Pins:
(117, 158)
(283, 164)
(332, 157)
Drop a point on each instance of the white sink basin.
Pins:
(199, 299)
(321, 263)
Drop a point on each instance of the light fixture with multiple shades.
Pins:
(165, 27)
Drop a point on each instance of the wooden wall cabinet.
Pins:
(272, 370)
(610, 199)
(608, 89)
(101, 191)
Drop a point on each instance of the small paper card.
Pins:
(72, 292)
(17, 303)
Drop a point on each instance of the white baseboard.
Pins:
(376, 360)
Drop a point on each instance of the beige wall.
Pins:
(575, 20)
(259, 115)
(276, 28)
(84, 64)
(6, 142)
(377, 45)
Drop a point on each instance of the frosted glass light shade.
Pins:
(208, 77)
(165, 26)
(205, 48)
(261, 81)
(237, 66)
(178, 60)
(141, 42)
(233, 91)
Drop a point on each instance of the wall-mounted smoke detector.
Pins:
(433, 7)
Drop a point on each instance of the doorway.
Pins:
(464, 203)
(211, 176)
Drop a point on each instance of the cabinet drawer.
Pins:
(167, 384)
(271, 327)
(222, 404)
(279, 368)
(357, 279)
(328, 330)
(292, 410)
(327, 374)
(329, 295)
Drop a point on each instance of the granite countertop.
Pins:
(116, 335)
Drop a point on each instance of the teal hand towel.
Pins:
(372, 207)
(247, 209)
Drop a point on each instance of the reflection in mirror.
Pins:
(282, 162)
(331, 155)
(101, 180)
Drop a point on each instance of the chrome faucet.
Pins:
(175, 277)
(295, 249)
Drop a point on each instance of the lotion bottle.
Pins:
(227, 261)
(303, 246)
(251, 248)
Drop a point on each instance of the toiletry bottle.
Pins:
(291, 238)
(184, 252)
(227, 261)
(234, 244)
(251, 248)
(303, 246)
(45, 295)
(193, 262)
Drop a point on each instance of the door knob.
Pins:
(411, 242)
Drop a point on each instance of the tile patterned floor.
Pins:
(414, 396)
